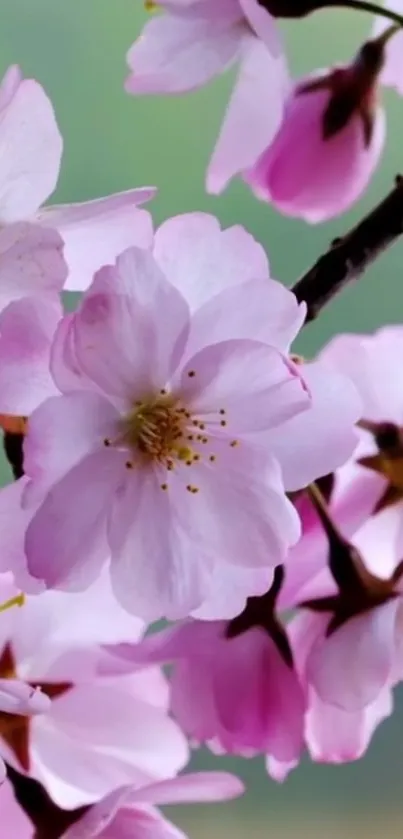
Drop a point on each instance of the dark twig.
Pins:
(49, 821)
(13, 447)
(350, 256)
(301, 8)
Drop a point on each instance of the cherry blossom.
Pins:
(341, 131)
(31, 150)
(191, 43)
(101, 730)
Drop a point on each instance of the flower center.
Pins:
(161, 430)
(157, 427)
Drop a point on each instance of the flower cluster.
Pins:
(174, 459)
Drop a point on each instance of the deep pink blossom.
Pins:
(237, 693)
(131, 811)
(341, 132)
(31, 149)
(190, 44)
(102, 729)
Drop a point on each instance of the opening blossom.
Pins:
(341, 132)
(190, 43)
(93, 232)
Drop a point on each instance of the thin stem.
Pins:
(349, 256)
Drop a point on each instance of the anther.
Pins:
(212, 458)
(191, 373)
(164, 486)
(191, 437)
(234, 443)
(163, 392)
(107, 442)
(129, 464)
(202, 426)
(204, 439)
(194, 490)
(222, 412)
(223, 423)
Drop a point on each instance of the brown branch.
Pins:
(48, 820)
(351, 255)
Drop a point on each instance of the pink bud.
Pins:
(329, 143)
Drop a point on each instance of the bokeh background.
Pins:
(77, 50)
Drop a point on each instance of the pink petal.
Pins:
(392, 72)
(174, 54)
(253, 115)
(230, 586)
(112, 819)
(9, 85)
(201, 260)
(350, 668)
(156, 570)
(131, 327)
(31, 262)
(26, 331)
(240, 514)
(368, 361)
(20, 698)
(190, 789)
(337, 736)
(62, 431)
(98, 737)
(317, 441)
(97, 231)
(13, 523)
(30, 150)
(64, 365)
(262, 310)
(65, 541)
(254, 384)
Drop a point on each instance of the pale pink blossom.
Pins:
(392, 73)
(131, 811)
(234, 689)
(191, 43)
(162, 432)
(328, 145)
(31, 150)
(102, 729)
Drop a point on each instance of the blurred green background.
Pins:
(77, 49)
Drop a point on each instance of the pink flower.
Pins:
(195, 41)
(93, 233)
(102, 729)
(131, 811)
(163, 425)
(392, 73)
(233, 683)
(341, 132)
(334, 734)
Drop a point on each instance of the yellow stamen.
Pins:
(18, 600)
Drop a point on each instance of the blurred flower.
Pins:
(233, 683)
(101, 730)
(194, 41)
(329, 142)
(93, 232)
